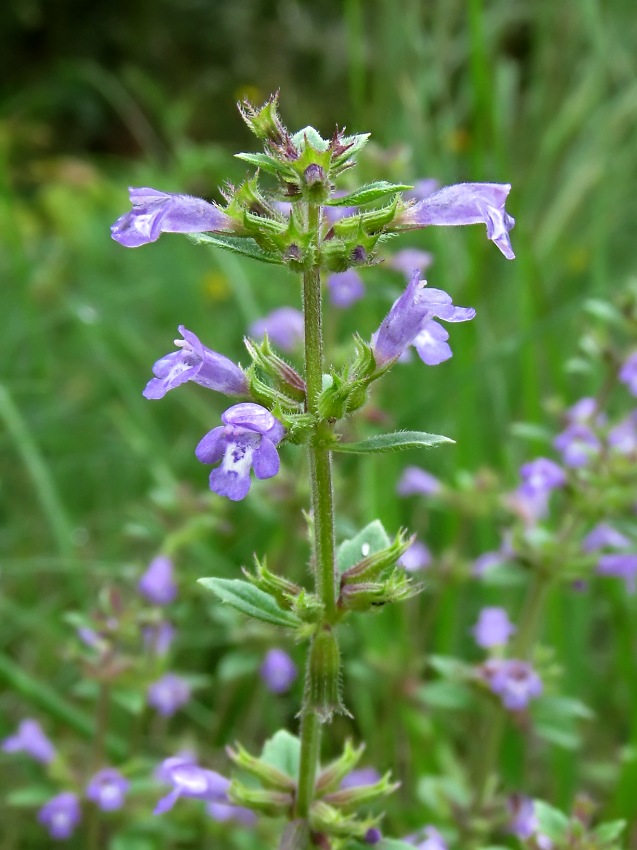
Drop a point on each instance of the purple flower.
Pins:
(582, 411)
(408, 260)
(362, 776)
(623, 437)
(283, 326)
(373, 835)
(417, 557)
(540, 476)
(190, 780)
(493, 628)
(465, 203)
(604, 536)
(224, 812)
(620, 565)
(278, 671)
(524, 823)
(107, 789)
(30, 739)
(431, 344)
(427, 838)
(195, 362)
(168, 694)
(515, 682)
(409, 316)
(416, 481)
(158, 637)
(248, 438)
(628, 373)
(157, 584)
(422, 189)
(486, 562)
(345, 288)
(61, 815)
(577, 444)
(156, 212)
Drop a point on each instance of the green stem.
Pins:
(322, 511)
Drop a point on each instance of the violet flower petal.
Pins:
(156, 212)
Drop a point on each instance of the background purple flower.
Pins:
(486, 562)
(158, 637)
(168, 694)
(540, 476)
(30, 739)
(190, 780)
(416, 481)
(247, 439)
(466, 203)
(107, 789)
(620, 565)
(628, 373)
(407, 260)
(224, 812)
(622, 439)
(493, 627)
(427, 838)
(345, 288)
(515, 682)
(604, 536)
(61, 815)
(361, 776)
(577, 444)
(278, 671)
(157, 584)
(156, 212)
(284, 327)
(417, 557)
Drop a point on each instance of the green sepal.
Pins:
(308, 607)
(368, 193)
(396, 441)
(330, 821)
(370, 540)
(268, 775)
(243, 245)
(331, 776)
(272, 803)
(370, 221)
(363, 596)
(281, 589)
(349, 147)
(268, 163)
(250, 600)
(275, 367)
(345, 798)
(377, 564)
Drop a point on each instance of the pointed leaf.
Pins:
(368, 193)
(313, 138)
(551, 821)
(610, 831)
(371, 539)
(245, 246)
(393, 442)
(283, 751)
(266, 163)
(250, 600)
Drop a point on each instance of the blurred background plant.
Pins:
(96, 480)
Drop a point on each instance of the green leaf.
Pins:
(313, 138)
(551, 822)
(368, 193)
(371, 539)
(248, 599)
(266, 163)
(283, 751)
(393, 442)
(243, 245)
(29, 797)
(606, 833)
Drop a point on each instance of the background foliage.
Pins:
(95, 479)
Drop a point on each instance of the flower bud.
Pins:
(323, 684)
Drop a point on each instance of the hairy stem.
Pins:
(322, 511)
